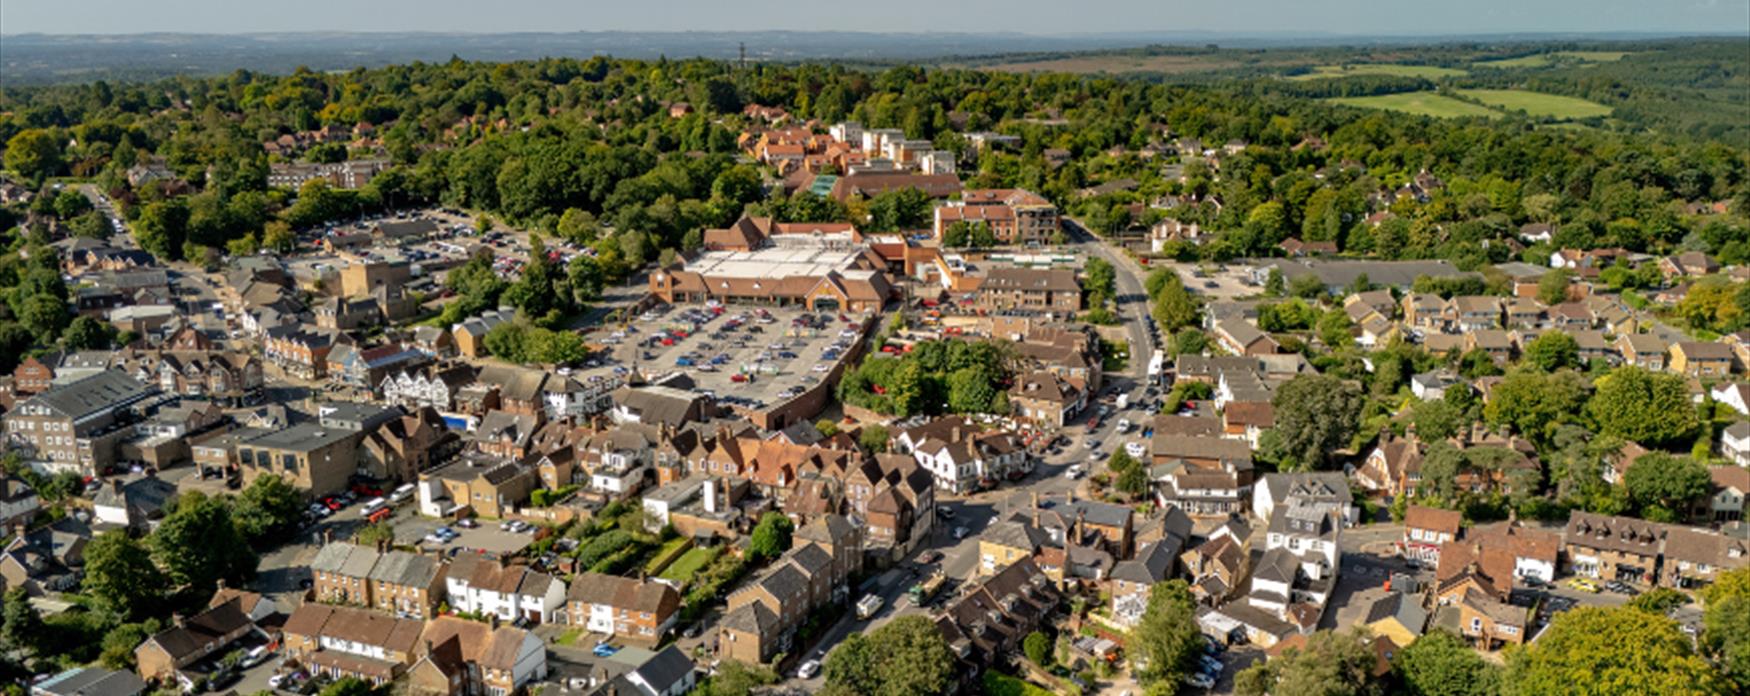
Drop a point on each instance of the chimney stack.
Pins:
(176, 619)
(115, 484)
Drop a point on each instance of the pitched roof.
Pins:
(624, 593)
(1436, 519)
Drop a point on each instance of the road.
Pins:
(1132, 297)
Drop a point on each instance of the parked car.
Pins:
(808, 669)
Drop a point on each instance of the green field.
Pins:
(1543, 59)
(1425, 71)
(1538, 104)
(1419, 103)
(683, 569)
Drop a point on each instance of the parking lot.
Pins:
(413, 530)
(749, 357)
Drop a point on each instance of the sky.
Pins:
(1045, 17)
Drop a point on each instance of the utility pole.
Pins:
(743, 45)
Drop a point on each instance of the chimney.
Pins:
(1035, 500)
(494, 621)
(328, 535)
(955, 434)
(176, 619)
(115, 484)
(221, 584)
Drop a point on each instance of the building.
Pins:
(799, 270)
(1425, 530)
(311, 457)
(1014, 216)
(1701, 359)
(871, 184)
(487, 485)
(1613, 548)
(1693, 558)
(90, 681)
(1046, 290)
(991, 618)
(479, 585)
(77, 426)
(1329, 489)
(1731, 490)
(341, 642)
(398, 582)
(636, 610)
(469, 658)
(164, 656)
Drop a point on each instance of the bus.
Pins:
(923, 591)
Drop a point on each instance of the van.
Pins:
(401, 493)
(371, 508)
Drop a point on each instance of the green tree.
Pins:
(736, 678)
(873, 438)
(269, 509)
(1534, 403)
(119, 573)
(827, 427)
(1665, 486)
(1190, 341)
(1437, 420)
(70, 204)
(905, 657)
(971, 389)
(1554, 350)
(198, 544)
(1442, 664)
(348, 686)
(87, 333)
(1336, 329)
(1659, 600)
(374, 534)
(1651, 408)
(1553, 287)
(1166, 640)
(1102, 282)
(119, 643)
(1332, 664)
(1726, 624)
(1174, 307)
(770, 538)
(20, 624)
(34, 153)
(1596, 650)
(162, 228)
(1316, 415)
(1038, 648)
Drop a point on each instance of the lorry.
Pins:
(923, 591)
(1123, 401)
(868, 605)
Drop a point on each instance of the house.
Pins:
(164, 655)
(1694, 557)
(398, 582)
(310, 456)
(340, 642)
(1613, 548)
(1642, 350)
(1216, 567)
(18, 502)
(991, 618)
(1131, 580)
(1425, 530)
(1043, 398)
(1203, 475)
(470, 335)
(1734, 395)
(636, 610)
(469, 658)
(46, 559)
(510, 592)
(1328, 489)
(1731, 490)
(1396, 615)
(1701, 359)
(1241, 338)
(1014, 216)
(1689, 264)
(764, 614)
(136, 503)
(1735, 443)
(1432, 386)
(667, 673)
(90, 681)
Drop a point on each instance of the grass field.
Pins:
(1538, 104)
(1543, 59)
(1419, 103)
(683, 569)
(1424, 71)
(1115, 64)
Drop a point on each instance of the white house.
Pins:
(1735, 443)
(1736, 396)
(18, 501)
(478, 585)
(1311, 532)
(667, 673)
(1327, 489)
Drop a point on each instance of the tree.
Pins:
(827, 427)
(87, 333)
(1174, 308)
(119, 643)
(1166, 640)
(1534, 403)
(348, 686)
(1437, 420)
(971, 389)
(770, 538)
(1102, 283)
(278, 236)
(1316, 415)
(1659, 600)
(1274, 286)
(1190, 341)
(1442, 664)
(906, 657)
(1336, 329)
(268, 510)
(958, 235)
(873, 438)
(199, 544)
(1651, 408)
(162, 228)
(1132, 479)
(1596, 650)
(119, 573)
(736, 678)
(375, 533)
(34, 153)
(1332, 664)
(1666, 486)
(1038, 648)
(1552, 351)
(20, 624)
(1726, 623)
(1552, 288)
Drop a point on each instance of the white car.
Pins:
(1201, 681)
(1135, 449)
(808, 669)
(959, 533)
(1074, 472)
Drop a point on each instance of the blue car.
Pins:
(604, 650)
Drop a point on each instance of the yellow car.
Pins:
(1583, 585)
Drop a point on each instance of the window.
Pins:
(1476, 624)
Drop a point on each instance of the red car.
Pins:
(331, 503)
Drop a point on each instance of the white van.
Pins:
(401, 493)
(372, 507)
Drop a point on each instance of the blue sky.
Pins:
(1056, 17)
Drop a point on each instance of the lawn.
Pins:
(1537, 103)
(999, 684)
(682, 570)
(1544, 59)
(1426, 71)
(1420, 103)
